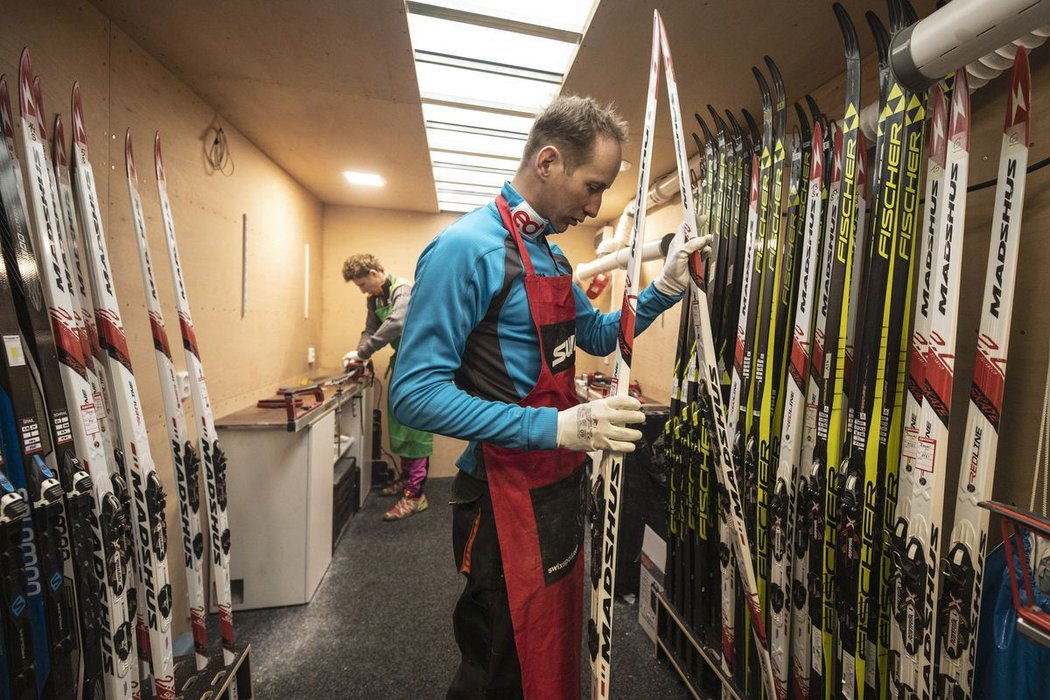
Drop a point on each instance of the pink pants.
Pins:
(414, 473)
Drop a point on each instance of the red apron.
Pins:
(537, 499)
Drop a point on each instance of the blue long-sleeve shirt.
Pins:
(461, 279)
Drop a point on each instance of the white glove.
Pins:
(351, 358)
(675, 276)
(599, 425)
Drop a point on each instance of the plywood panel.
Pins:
(124, 87)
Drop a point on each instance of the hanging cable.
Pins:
(217, 150)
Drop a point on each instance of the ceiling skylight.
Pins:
(485, 69)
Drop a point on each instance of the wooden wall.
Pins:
(122, 87)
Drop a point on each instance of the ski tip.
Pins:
(1019, 104)
(77, 109)
(158, 160)
(6, 122)
(698, 142)
(800, 114)
(752, 125)
(58, 146)
(814, 108)
(763, 87)
(774, 71)
(908, 14)
(881, 36)
(720, 123)
(38, 99)
(959, 119)
(849, 33)
(938, 126)
(25, 87)
(804, 125)
(703, 126)
(896, 15)
(733, 122)
(741, 141)
(129, 157)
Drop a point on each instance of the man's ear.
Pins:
(546, 160)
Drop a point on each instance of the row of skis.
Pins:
(838, 415)
(84, 586)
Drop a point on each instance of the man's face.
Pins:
(571, 198)
(372, 283)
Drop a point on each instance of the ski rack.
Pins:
(217, 681)
(1032, 621)
(667, 621)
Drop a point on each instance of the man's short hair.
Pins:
(572, 124)
(358, 266)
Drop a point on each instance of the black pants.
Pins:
(489, 668)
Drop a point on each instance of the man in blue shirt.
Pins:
(488, 356)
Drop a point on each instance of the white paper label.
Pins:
(911, 443)
(13, 347)
(925, 454)
(811, 416)
(89, 418)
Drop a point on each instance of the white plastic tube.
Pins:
(651, 250)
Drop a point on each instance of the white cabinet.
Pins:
(280, 476)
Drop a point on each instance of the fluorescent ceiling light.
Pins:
(468, 177)
(480, 144)
(473, 162)
(366, 179)
(561, 14)
(487, 191)
(446, 83)
(478, 118)
(455, 207)
(460, 199)
(485, 68)
(486, 44)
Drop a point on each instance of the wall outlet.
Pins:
(311, 355)
(182, 381)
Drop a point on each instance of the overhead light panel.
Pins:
(568, 16)
(471, 42)
(365, 179)
(455, 207)
(485, 69)
(473, 162)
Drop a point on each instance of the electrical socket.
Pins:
(311, 355)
